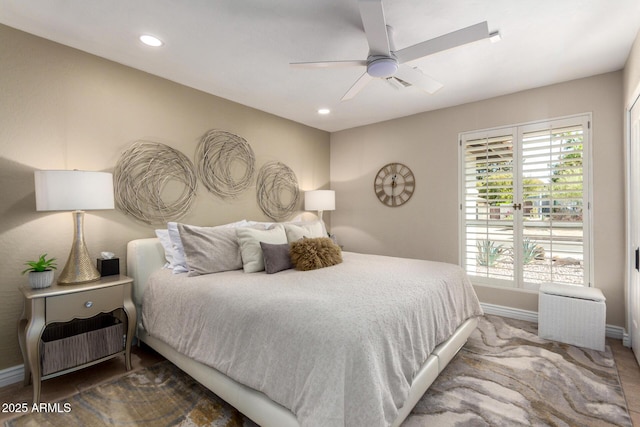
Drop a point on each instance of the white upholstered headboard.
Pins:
(144, 256)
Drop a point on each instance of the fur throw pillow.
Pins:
(319, 252)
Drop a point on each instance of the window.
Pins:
(525, 204)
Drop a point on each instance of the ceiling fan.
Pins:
(385, 62)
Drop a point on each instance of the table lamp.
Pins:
(320, 200)
(77, 191)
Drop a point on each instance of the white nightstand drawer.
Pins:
(83, 304)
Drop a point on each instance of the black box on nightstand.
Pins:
(109, 267)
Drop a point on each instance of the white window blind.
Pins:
(525, 196)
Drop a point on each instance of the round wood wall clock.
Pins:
(394, 184)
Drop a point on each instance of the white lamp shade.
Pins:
(70, 190)
(320, 200)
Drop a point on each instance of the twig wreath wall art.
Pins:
(277, 190)
(225, 163)
(141, 177)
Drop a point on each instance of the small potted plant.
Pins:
(41, 271)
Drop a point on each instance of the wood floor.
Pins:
(62, 387)
(629, 372)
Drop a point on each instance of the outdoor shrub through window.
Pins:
(525, 203)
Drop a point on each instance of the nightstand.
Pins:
(57, 303)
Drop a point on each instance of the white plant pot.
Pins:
(40, 279)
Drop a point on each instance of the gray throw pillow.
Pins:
(276, 257)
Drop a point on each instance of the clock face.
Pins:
(394, 184)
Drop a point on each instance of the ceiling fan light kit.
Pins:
(384, 62)
(382, 67)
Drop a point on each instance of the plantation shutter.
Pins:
(524, 192)
(488, 195)
(554, 201)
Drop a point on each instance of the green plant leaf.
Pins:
(42, 264)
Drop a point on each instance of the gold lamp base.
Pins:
(79, 267)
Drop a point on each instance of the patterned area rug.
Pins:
(504, 376)
(161, 395)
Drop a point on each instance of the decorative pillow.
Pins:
(179, 261)
(310, 254)
(250, 250)
(296, 231)
(210, 249)
(165, 241)
(276, 257)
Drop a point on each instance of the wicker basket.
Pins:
(67, 345)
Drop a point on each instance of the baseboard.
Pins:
(615, 332)
(611, 331)
(11, 375)
(511, 313)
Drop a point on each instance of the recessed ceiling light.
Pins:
(151, 40)
(324, 111)
(495, 37)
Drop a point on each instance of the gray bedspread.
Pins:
(337, 346)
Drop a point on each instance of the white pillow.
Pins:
(298, 230)
(249, 240)
(260, 224)
(179, 260)
(165, 241)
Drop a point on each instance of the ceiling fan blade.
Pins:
(395, 83)
(454, 39)
(417, 79)
(375, 26)
(328, 64)
(357, 87)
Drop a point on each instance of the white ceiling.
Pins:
(241, 49)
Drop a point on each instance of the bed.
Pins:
(297, 348)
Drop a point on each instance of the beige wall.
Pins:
(427, 226)
(64, 109)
